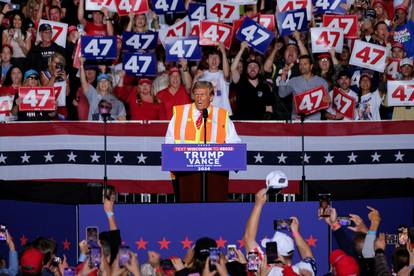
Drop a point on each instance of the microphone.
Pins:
(205, 113)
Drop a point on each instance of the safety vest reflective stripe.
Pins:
(185, 130)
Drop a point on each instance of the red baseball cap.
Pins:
(173, 70)
(324, 55)
(144, 80)
(344, 265)
(31, 261)
(396, 44)
(381, 2)
(72, 29)
(402, 7)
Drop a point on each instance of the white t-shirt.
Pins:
(369, 106)
(221, 89)
(332, 110)
(308, 264)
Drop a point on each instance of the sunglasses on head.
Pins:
(33, 78)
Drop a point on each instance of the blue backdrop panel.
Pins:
(26, 221)
(162, 226)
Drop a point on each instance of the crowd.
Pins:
(105, 254)
(249, 85)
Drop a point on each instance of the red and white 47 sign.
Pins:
(368, 55)
(6, 104)
(311, 101)
(124, 7)
(212, 33)
(348, 23)
(290, 5)
(36, 98)
(97, 5)
(343, 103)
(59, 32)
(400, 93)
(222, 10)
(393, 68)
(266, 20)
(324, 39)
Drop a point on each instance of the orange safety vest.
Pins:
(185, 130)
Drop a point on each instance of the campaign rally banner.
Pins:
(204, 157)
(37, 99)
(311, 101)
(257, 36)
(140, 64)
(290, 21)
(330, 6)
(98, 47)
(168, 6)
(222, 11)
(134, 41)
(197, 11)
(182, 48)
(323, 39)
(343, 103)
(348, 23)
(94, 5)
(291, 5)
(400, 93)
(59, 32)
(212, 33)
(125, 7)
(369, 55)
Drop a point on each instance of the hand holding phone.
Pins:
(324, 205)
(252, 261)
(92, 235)
(3, 232)
(231, 252)
(271, 252)
(124, 256)
(214, 257)
(95, 257)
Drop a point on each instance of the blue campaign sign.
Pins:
(183, 47)
(98, 47)
(140, 64)
(204, 157)
(132, 41)
(257, 36)
(329, 6)
(291, 21)
(197, 11)
(163, 6)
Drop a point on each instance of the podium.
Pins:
(188, 162)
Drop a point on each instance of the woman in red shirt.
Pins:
(140, 101)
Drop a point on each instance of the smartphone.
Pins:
(231, 252)
(271, 252)
(56, 261)
(214, 257)
(402, 235)
(324, 205)
(391, 239)
(166, 265)
(124, 256)
(92, 233)
(3, 232)
(344, 221)
(69, 271)
(59, 66)
(95, 256)
(252, 261)
(15, 6)
(282, 224)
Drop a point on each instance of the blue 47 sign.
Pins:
(182, 48)
(257, 36)
(163, 6)
(291, 21)
(329, 6)
(197, 11)
(132, 41)
(140, 64)
(98, 47)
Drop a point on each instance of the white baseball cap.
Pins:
(276, 180)
(285, 244)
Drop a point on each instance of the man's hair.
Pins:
(400, 258)
(55, 7)
(379, 23)
(308, 57)
(213, 52)
(202, 85)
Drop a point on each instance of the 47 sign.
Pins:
(368, 55)
(343, 103)
(324, 39)
(400, 93)
(291, 21)
(37, 98)
(257, 36)
(311, 101)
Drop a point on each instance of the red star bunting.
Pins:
(23, 240)
(221, 243)
(186, 243)
(311, 241)
(164, 243)
(66, 244)
(141, 244)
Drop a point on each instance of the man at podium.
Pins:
(188, 126)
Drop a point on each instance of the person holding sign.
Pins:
(103, 91)
(344, 82)
(405, 112)
(304, 82)
(254, 99)
(101, 23)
